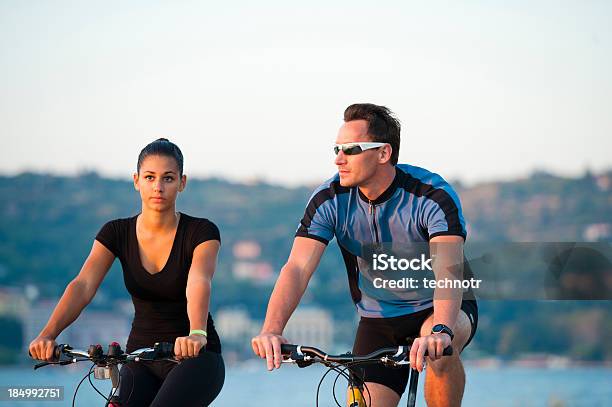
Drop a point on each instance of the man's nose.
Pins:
(340, 158)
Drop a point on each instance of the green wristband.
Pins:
(198, 332)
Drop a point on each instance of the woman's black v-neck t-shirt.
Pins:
(160, 301)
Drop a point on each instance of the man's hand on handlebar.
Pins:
(268, 345)
(433, 344)
(43, 348)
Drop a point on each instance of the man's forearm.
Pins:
(448, 265)
(446, 312)
(286, 296)
(447, 303)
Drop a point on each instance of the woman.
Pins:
(168, 260)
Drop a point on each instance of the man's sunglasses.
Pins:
(356, 148)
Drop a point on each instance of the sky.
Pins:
(485, 90)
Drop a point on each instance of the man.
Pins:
(373, 200)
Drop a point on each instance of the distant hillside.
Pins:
(542, 207)
(48, 223)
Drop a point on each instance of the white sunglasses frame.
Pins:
(366, 145)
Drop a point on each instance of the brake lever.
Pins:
(399, 359)
(145, 359)
(61, 363)
(299, 359)
(43, 364)
(402, 357)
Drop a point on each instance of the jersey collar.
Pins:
(388, 193)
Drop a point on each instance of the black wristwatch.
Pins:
(441, 328)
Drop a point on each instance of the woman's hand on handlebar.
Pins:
(189, 346)
(268, 346)
(43, 348)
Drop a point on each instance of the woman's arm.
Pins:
(77, 295)
(203, 265)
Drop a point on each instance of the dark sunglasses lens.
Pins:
(348, 150)
(352, 150)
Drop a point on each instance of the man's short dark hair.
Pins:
(383, 126)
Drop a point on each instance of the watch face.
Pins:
(441, 328)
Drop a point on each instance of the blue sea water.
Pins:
(251, 385)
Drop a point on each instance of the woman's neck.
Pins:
(156, 221)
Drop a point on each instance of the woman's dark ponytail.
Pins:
(163, 147)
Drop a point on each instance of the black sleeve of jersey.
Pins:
(204, 231)
(109, 236)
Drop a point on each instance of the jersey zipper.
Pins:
(373, 213)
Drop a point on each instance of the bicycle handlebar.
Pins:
(159, 351)
(396, 352)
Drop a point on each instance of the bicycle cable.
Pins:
(330, 368)
(112, 392)
(81, 382)
(348, 366)
(96, 389)
(351, 386)
(334, 386)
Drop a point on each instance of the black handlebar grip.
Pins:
(287, 348)
(56, 353)
(164, 349)
(446, 352)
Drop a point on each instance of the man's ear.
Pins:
(385, 153)
(136, 181)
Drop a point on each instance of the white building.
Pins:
(307, 326)
(234, 325)
(311, 326)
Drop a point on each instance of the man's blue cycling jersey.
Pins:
(416, 207)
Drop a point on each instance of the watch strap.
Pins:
(441, 328)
